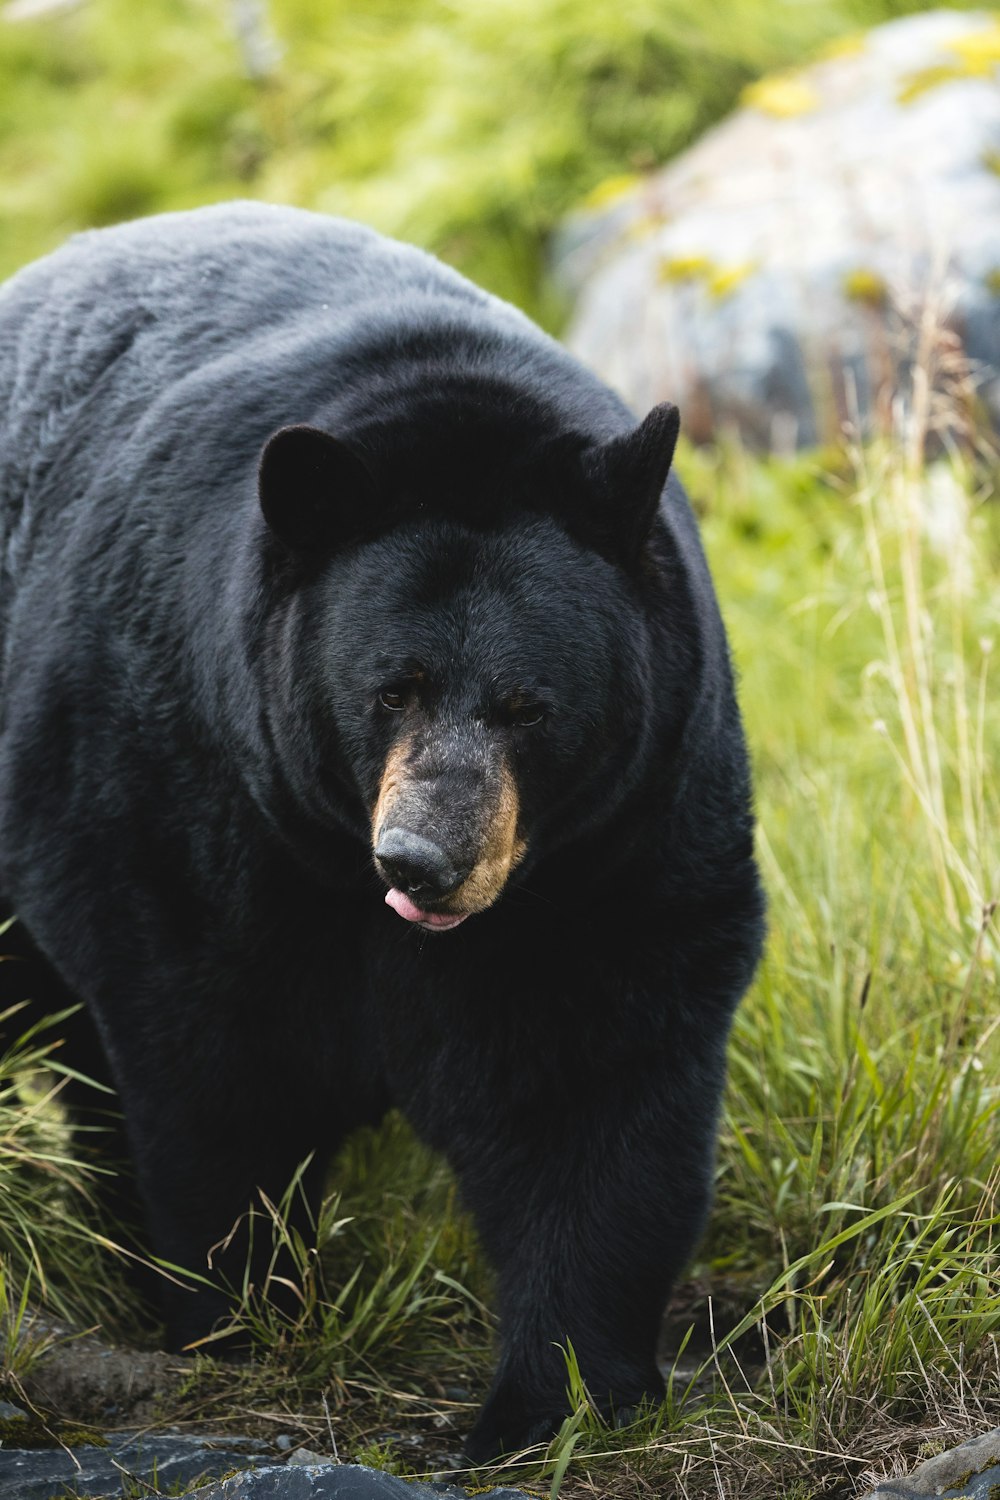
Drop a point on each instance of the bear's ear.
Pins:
(314, 491)
(627, 476)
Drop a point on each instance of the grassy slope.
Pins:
(865, 1061)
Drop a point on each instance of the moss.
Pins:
(923, 80)
(992, 281)
(784, 95)
(482, 1489)
(960, 1483)
(865, 287)
(674, 268)
(979, 50)
(28, 1432)
(611, 189)
(977, 54)
(719, 281)
(82, 1437)
(725, 280)
(645, 226)
(851, 45)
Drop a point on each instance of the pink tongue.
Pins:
(410, 912)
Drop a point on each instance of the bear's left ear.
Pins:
(314, 491)
(627, 475)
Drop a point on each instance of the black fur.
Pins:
(192, 741)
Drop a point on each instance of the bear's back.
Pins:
(198, 332)
(176, 294)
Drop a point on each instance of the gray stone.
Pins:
(336, 1482)
(969, 1472)
(166, 1459)
(786, 260)
(322, 1482)
(306, 1458)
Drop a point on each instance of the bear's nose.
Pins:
(416, 865)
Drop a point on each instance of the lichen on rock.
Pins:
(785, 263)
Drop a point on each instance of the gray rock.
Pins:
(166, 1458)
(969, 1472)
(336, 1482)
(323, 1482)
(788, 257)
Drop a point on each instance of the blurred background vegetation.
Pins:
(467, 126)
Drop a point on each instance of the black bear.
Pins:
(368, 739)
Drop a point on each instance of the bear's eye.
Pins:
(526, 715)
(391, 700)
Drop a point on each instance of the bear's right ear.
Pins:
(314, 491)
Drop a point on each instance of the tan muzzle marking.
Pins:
(502, 851)
(391, 785)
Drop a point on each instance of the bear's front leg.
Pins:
(589, 1210)
(199, 1219)
(207, 1139)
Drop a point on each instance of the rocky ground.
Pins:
(114, 1438)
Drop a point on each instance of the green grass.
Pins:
(48, 1248)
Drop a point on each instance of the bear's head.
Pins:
(469, 659)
